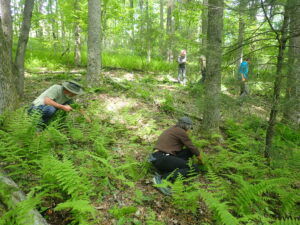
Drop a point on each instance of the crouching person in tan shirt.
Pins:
(54, 98)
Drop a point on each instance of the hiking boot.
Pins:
(157, 181)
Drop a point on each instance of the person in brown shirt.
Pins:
(173, 150)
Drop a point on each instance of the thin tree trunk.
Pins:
(52, 20)
(204, 28)
(40, 29)
(94, 42)
(161, 14)
(292, 105)
(132, 21)
(77, 34)
(5, 15)
(211, 115)
(22, 43)
(242, 10)
(277, 86)
(148, 39)
(169, 30)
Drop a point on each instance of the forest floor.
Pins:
(134, 108)
(144, 120)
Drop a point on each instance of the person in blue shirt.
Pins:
(243, 71)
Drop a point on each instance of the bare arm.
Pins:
(49, 101)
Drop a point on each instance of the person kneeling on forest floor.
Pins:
(54, 98)
(172, 152)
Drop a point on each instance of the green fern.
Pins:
(82, 210)
(288, 221)
(249, 196)
(65, 176)
(219, 209)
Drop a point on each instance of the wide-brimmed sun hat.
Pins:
(73, 87)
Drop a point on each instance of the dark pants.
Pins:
(46, 111)
(166, 164)
(181, 75)
(244, 88)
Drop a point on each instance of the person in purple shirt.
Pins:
(243, 71)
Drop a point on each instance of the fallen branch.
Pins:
(34, 217)
(57, 72)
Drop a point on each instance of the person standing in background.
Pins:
(182, 67)
(203, 68)
(243, 71)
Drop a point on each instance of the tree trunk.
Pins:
(148, 39)
(22, 43)
(52, 20)
(40, 27)
(277, 86)
(161, 14)
(94, 42)
(8, 93)
(5, 15)
(292, 105)
(169, 30)
(239, 53)
(77, 35)
(132, 21)
(211, 115)
(204, 28)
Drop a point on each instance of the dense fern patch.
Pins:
(97, 173)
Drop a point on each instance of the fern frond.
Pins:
(288, 221)
(66, 176)
(249, 196)
(220, 209)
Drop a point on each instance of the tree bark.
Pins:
(77, 31)
(94, 42)
(5, 15)
(169, 30)
(211, 115)
(282, 39)
(22, 43)
(292, 105)
(204, 28)
(8, 93)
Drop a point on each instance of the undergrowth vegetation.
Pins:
(39, 57)
(97, 173)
